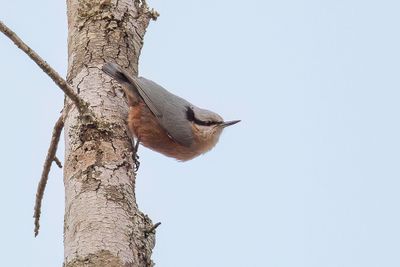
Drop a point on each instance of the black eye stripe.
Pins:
(204, 123)
(190, 116)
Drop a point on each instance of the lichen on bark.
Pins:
(102, 225)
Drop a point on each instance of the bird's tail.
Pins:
(114, 71)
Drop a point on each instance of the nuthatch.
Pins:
(165, 122)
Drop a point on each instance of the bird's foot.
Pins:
(135, 156)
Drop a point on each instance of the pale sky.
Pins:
(309, 178)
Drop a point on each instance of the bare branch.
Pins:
(51, 156)
(79, 103)
(152, 229)
(58, 162)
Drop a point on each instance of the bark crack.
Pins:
(101, 207)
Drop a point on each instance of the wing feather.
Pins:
(169, 109)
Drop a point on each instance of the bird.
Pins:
(164, 122)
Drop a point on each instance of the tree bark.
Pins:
(102, 224)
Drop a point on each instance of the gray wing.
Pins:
(169, 109)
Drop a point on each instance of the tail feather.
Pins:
(115, 72)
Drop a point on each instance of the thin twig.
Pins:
(152, 229)
(79, 103)
(58, 162)
(51, 156)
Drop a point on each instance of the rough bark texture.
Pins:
(102, 225)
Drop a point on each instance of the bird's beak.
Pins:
(229, 123)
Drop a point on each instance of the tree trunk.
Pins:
(102, 225)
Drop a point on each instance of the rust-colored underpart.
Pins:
(148, 130)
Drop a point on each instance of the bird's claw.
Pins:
(135, 156)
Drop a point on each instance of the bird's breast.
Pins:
(144, 125)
